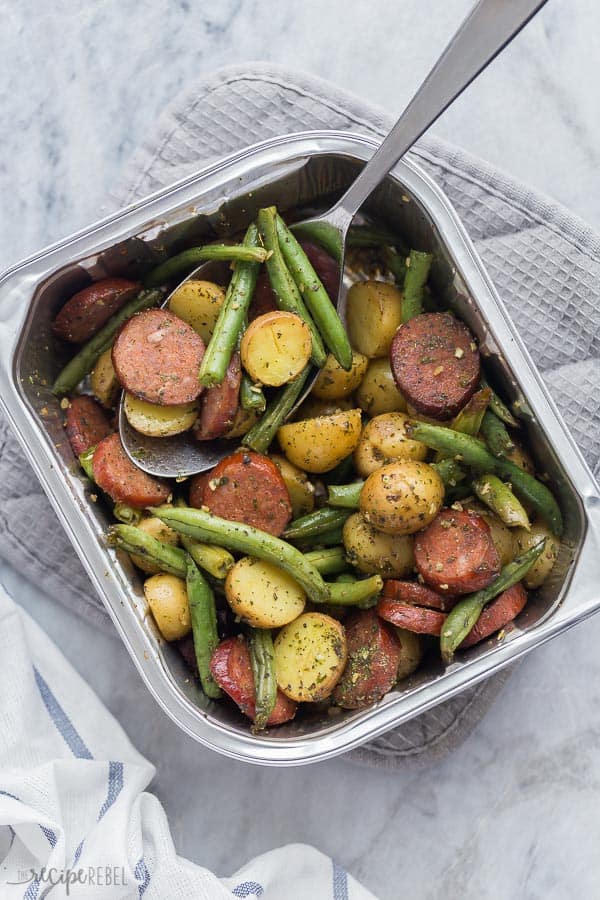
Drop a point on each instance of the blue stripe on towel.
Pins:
(78, 853)
(115, 786)
(248, 889)
(340, 882)
(46, 831)
(143, 875)
(64, 725)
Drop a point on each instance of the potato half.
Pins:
(376, 553)
(384, 440)
(276, 347)
(525, 540)
(310, 655)
(402, 497)
(299, 487)
(373, 313)
(263, 595)
(168, 601)
(160, 532)
(312, 407)
(411, 651)
(377, 392)
(318, 445)
(334, 382)
(198, 303)
(103, 380)
(243, 422)
(159, 421)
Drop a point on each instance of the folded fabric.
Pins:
(75, 817)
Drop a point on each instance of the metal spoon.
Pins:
(489, 27)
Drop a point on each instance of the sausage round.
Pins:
(435, 363)
(122, 480)
(456, 553)
(88, 310)
(412, 618)
(219, 404)
(157, 356)
(232, 670)
(325, 266)
(417, 594)
(373, 659)
(497, 614)
(245, 487)
(86, 423)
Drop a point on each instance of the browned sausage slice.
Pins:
(86, 423)
(88, 310)
(325, 266)
(456, 553)
(435, 363)
(417, 594)
(373, 658)
(157, 356)
(245, 487)
(219, 405)
(122, 480)
(497, 614)
(232, 670)
(412, 618)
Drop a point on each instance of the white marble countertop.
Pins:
(513, 812)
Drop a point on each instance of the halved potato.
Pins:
(313, 407)
(376, 553)
(310, 655)
(373, 313)
(168, 601)
(384, 440)
(318, 445)
(243, 422)
(411, 651)
(276, 347)
(103, 380)
(377, 392)
(525, 540)
(198, 303)
(334, 382)
(263, 595)
(299, 487)
(160, 532)
(402, 497)
(159, 421)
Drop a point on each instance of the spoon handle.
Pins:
(489, 27)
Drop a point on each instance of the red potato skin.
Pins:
(417, 594)
(245, 487)
(325, 266)
(157, 357)
(118, 477)
(232, 670)
(497, 615)
(426, 369)
(373, 659)
(456, 553)
(86, 423)
(219, 405)
(412, 618)
(91, 308)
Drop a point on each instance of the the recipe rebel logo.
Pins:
(99, 876)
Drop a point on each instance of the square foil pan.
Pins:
(304, 172)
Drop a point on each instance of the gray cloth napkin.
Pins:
(544, 262)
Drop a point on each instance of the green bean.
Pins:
(345, 496)
(396, 263)
(86, 460)
(286, 291)
(340, 473)
(346, 578)
(84, 361)
(260, 435)
(215, 560)
(449, 471)
(500, 408)
(203, 614)
(362, 593)
(315, 296)
(251, 395)
(468, 420)
(189, 259)
(496, 436)
(262, 658)
(232, 316)
(328, 561)
(203, 526)
(331, 538)
(501, 500)
(417, 273)
(324, 234)
(474, 453)
(465, 614)
(370, 236)
(315, 523)
(127, 514)
(133, 540)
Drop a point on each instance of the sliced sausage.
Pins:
(456, 553)
(219, 405)
(157, 356)
(263, 299)
(88, 310)
(232, 670)
(373, 659)
(118, 477)
(410, 617)
(86, 423)
(417, 594)
(245, 487)
(325, 266)
(497, 614)
(435, 363)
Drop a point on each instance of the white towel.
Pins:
(76, 819)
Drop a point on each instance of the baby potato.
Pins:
(276, 347)
(318, 445)
(198, 303)
(310, 655)
(159, 421)
(411, 651)
(376, 553)
(402, 497)
(377, 392)
(542, 567)
(384, 440)
(334, 383)
(373, 313)
(243, 422)
(161, 532)
(168, 601)
(502, 536)
(263, 595)
(103, 380)
(312, 407)
(299, 487)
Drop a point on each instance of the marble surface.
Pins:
(513, 812)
